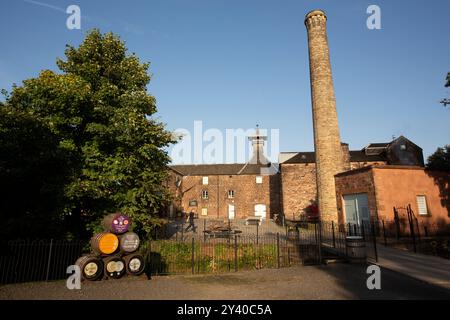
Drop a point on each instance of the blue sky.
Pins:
(233, 63)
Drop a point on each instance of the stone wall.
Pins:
(356, 181)
(327, 143)
(298, 188)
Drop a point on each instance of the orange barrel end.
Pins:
(104, 243)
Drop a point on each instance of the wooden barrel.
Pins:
(116, 223)
(129, 242)
(104, 243)
(114, 267)
(355, 249)
(91, 267)
(135, 264)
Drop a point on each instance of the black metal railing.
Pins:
(410, 233)
(44, 260)
(38, 260)
(199, 254)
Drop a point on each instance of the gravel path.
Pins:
(334, 281)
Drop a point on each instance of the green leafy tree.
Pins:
(98, 115)
(32, 175)
(440, 159)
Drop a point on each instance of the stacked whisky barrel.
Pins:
(114, 251)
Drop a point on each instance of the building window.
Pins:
(204, 211)
(230, 194)
(205, 180)
(205, 194)
(258, 179)
(422, 205)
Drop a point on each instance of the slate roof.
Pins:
(220, 169)
(355, 156)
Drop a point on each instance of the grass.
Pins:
(171, 257)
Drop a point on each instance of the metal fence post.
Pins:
(193, 256)
(257, 233)
(384, 233)
(182, 230)
(235, 254)
(418, 229)
(49, 259)
(204, 229)
(363, 231)
(334, 236)
(149, 258)
(278, 250)
(289, 256)
(374, 238)
(411, 228)
(319, 245)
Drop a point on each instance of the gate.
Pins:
(333, 238)
(303, 239)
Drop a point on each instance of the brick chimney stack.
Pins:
(327, 142)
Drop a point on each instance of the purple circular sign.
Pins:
(117, 223)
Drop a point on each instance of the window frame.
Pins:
(424, 197)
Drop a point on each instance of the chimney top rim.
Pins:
(315, 12)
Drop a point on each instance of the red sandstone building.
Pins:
(379, 177)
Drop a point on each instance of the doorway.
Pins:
(231, 211)
(356, 208)
(260, 211)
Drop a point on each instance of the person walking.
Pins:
(191, 222)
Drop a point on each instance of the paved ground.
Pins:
(334, 281)
(430, 269)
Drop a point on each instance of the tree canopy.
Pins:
(440, 159)
(83, 142)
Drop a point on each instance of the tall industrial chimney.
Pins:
(327, 142)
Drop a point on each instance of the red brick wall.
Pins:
(247, 194)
